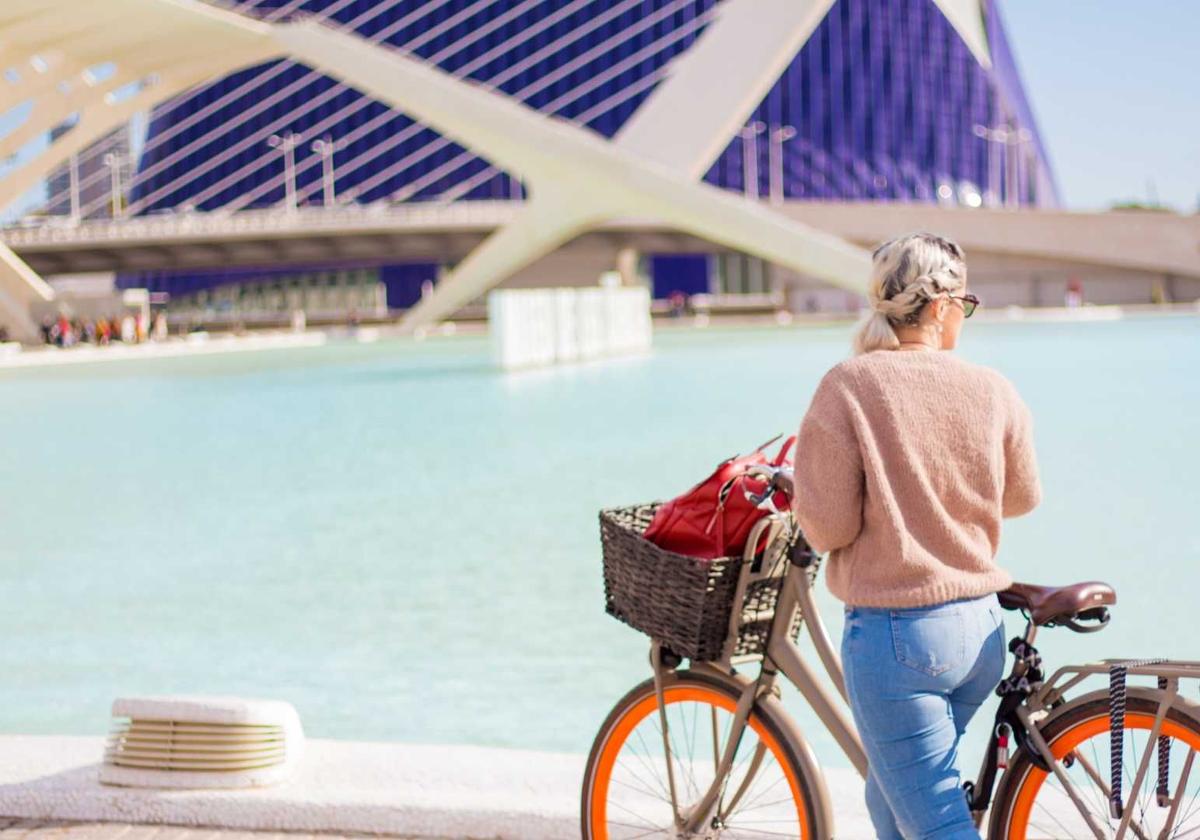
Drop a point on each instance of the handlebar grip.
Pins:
(785, 482)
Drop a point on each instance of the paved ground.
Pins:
(12, 828)
(342, 788)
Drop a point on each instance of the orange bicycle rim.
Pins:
(648, 706)
(1018, 824)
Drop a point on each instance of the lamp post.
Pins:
(749, 134)
(778, 137)
(287, 144)
(73, 188)
(114, 160)
(325, 148)
(1003, 138)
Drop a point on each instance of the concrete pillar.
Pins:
(20, 289)
(627, 266)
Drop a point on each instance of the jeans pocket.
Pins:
(931, 641)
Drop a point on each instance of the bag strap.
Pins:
(783, 450)
(718, 517)
(768, 443)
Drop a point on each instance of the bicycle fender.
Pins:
(1189, 707)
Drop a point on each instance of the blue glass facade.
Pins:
(884, 102)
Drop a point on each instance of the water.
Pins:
(403, 542)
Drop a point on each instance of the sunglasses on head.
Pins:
(969, 304)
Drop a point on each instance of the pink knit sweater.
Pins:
(905, 464)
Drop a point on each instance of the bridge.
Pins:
(585, 193)
(1163, 244)
(576, 179)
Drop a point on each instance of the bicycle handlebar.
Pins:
(778, 479)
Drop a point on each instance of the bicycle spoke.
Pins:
(641, 787)
(761, 831)
(685, 771)
(1099, 787)
(1191, 805)
(1102, 789)
(646, 763)
(650, 833)
(637, 816)
(1052, 814)
(761, 794)
(715, 743)
(692, 739)
(675, 760)
(761, 806)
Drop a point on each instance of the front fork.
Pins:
(711, 809)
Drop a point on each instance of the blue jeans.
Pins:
(915, 677)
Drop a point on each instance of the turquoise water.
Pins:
(402, 541)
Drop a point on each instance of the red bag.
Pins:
(714, 518)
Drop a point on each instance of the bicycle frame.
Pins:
(782, 655)
(1025, 713)
(1051, 695)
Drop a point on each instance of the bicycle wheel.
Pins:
(626, 789)
(1032, 803)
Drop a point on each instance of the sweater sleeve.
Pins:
(829, 472)
(1022, 488)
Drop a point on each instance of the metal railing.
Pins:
(183, 224)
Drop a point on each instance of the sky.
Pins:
(1115, 87)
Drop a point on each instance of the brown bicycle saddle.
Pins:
(1046, 604)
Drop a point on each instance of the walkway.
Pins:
(342, 787)
(19, 829)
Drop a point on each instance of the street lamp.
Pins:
(325, 148)
(779, 136)
(287, 144)
(114, 160)
(73, 186)
(749, 133)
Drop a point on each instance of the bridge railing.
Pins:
(51, 230)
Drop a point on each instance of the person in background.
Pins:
(63, 336)
(906, 462)
(677, 301)
(159, 333)
(1074, 295)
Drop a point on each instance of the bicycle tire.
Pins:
(770, 723)
(1066, 731)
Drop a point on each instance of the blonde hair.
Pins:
(907, 273)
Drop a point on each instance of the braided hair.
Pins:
(908, 272)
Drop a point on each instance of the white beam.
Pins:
(96, 119)
(579, 177)
(966, 16)
(541, 227)
(170, 39)
(717, 83)
(20, 286)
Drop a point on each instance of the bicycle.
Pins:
(708, 751)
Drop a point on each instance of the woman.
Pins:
(906, 462)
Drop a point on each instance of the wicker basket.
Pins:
(680, 600)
